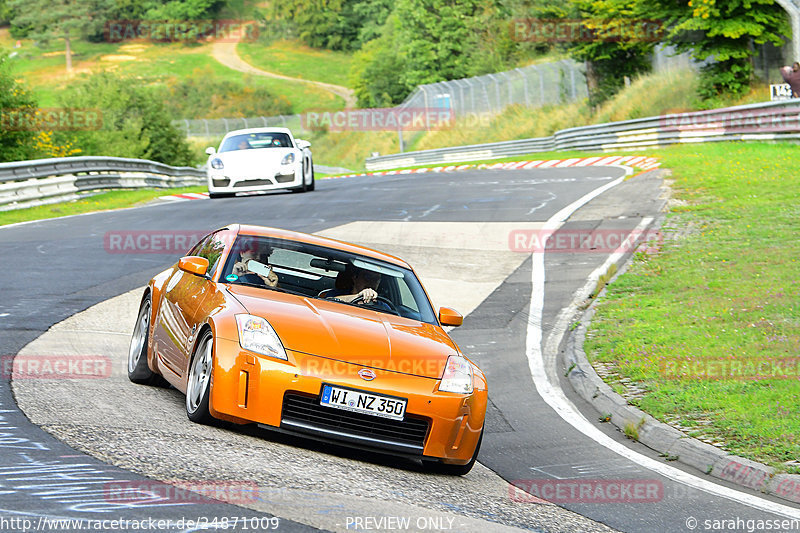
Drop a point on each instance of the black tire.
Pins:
(198, 386)
(458, 470)
(304, 187)
(138, 371)
(311, 187)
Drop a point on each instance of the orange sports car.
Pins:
(313, 337)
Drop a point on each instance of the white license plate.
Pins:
(363, 402)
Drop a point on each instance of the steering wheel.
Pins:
(360, 299)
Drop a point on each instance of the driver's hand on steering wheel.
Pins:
(368, 295)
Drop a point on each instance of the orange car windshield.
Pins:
(319, 272)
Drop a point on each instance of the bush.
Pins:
(202, 95)
(135, 122)
(15, 144)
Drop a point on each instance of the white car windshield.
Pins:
(250, 141)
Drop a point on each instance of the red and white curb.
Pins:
(643, 162)
(185, 196)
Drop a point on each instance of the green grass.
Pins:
(165, 61)
(652, 95)
(99, 202)
(44, 71)
(292, 58)
(724, 287)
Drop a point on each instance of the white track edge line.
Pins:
(555, 398)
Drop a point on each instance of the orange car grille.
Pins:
(304, 412)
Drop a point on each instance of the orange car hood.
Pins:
(350, 333)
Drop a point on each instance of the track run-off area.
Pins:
(70, 447)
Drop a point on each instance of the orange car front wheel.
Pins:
(198, 387)
(458, 470)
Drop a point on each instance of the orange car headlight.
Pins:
(257, 335)
(457, 376)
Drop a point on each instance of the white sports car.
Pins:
(259, 159)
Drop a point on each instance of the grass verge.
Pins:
(296, 60)
(43, 69)
(650, 95)
(709, 326)
(98, 202)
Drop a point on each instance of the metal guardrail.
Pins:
(29, 183)
(756, 122)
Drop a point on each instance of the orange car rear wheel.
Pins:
(138, 371)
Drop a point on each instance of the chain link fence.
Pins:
(217, 127)
(531, 86)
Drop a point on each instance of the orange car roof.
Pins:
(277, 233)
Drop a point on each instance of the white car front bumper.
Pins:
(286, 177)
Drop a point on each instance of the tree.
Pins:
(426, 41)
(46, 20)
(16, 140)
(377, 71)
(437, 38)
(336, 24)
(614, 41)
(182, 10)
(5, 12)
(371, 15)
(722, 32)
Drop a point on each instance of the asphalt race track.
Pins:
(455, 229)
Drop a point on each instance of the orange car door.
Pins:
(178, 318)
(182, 310)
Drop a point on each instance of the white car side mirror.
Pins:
(302, 144)
(211, 150)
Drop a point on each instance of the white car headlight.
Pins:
(288, 159)
(216, 163)
(457, 375)
(256, 334)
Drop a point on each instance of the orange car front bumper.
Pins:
(247, 387)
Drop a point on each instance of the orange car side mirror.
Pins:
(450, 317)
(194, 265)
